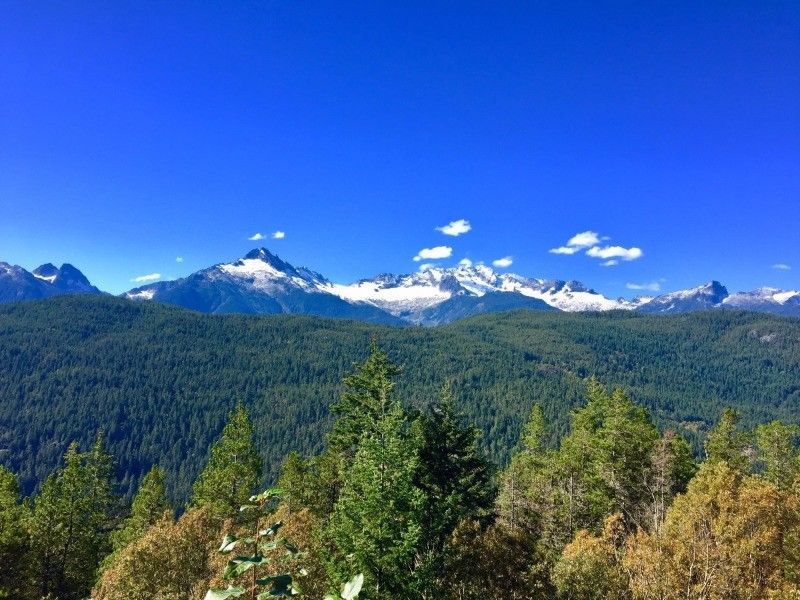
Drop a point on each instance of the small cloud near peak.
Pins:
(145, 278)
(435, 253)
(455, 228)
(653, 286)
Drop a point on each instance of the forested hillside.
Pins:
(160, 381)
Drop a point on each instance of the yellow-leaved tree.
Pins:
(730, 536)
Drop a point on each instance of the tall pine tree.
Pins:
(366, 399)
(149, 506)
(233, 470)
(454, 476)
(729, 443)
(375, 528)
(14, 538)
(71, 523)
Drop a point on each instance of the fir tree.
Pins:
(149, 506)
(375, 528)
(233, 469)
(14, 538)
(524, 482)
(778, 452)
(729, 443)
(366, 399)
(293, 482)
(454, 476)
(71, 521)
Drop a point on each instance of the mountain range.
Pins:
(47, 280)
(263, 283)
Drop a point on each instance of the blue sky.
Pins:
(134, 133)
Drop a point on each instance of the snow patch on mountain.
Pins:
(407, 294)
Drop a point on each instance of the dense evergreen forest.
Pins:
(159, 381)
(403, 504)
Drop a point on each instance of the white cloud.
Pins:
(143, 278)
(278, 235)
(426, 266)
(581, 240)
(584, 239)
(565, 250)
(610, 263)
(256, 236)
(465, 262)
(455, 228)
(179, 259)
(653, 286)
(504, 262)
(782, 267)
(614, 252)
(434, 253)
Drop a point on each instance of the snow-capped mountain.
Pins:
(258, 283)
(766, 299)
(261, 282)
(703, 297)
(715, 295)
(47, 280)
(410, 296)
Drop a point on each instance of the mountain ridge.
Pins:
(261, 282)
(438, 295)
(44, 281)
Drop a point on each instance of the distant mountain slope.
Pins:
(47, 280)
(160, 380)
(263, 283)
(460, 307)
(714, 295)
(413, 296)
(258, 283)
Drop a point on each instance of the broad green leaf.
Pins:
(273, 492)
(241, 564)
(281, 586)
(353, 587)
(272, 529)
(231, 592)
(228, 544)
(269, 546)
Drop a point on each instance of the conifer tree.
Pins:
(610, 444)
(14, 538)
(233, 469)
(729, 443)
(778, 451)
(366, 399)
(454, 476)
(149, 506)
(375, 527)
(293, 482)
(670, 469)
(523, 501)
(70, 524)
